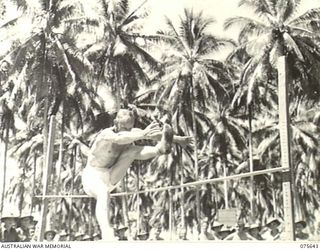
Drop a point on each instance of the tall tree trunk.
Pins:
(45, 130)
(170, 201)
(33, 180)
(59, 165)
(4, 166)
(46, 178)
(251, 161)
(182, 193)
(196, 167)
(73, 166)
(274, 203)
(225, 182)
(124, 202)
(213, 166)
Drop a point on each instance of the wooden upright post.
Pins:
(284, 128)
(46, 177)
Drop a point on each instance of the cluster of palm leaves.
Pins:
(81, 61)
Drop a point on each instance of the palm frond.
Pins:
(139, 52)
(261, 7)
(268, 144)
(182, 44)
(285, 9)
(243, 22)
(310, 15)
(291, 44)
(209, 43)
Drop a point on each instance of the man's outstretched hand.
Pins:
(185, 141)
(152, 130)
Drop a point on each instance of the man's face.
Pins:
(25, 222)
(122, 233)
(217, 229)
(273, 225)
(49, 236)
(63, 238)
(299, 228)
(10, 223)
(31, 231)
(124, 120)
(254, 231)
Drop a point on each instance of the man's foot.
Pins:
(165, 144)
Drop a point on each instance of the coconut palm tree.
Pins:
(122, 63)
(276, 31)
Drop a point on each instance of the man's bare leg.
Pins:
(104, 217)
(119, 170)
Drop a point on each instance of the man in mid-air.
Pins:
(111, 155)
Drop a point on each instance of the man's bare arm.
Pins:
(128, 137)
(181, 140)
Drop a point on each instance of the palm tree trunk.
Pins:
(125, 202)
(46, 86)
(45, 131)
(138, 198)
(183, 221)
(33, 180)
(4, 166)
(59, 165)
(46, 177)
(251, 160)
(73, 167)
(274, 203)
(225, 182)
(196, 167)
(170, 202)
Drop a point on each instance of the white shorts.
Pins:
(96, 180)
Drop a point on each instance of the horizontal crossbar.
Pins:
(189, 184)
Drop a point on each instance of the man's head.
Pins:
(124, 120)
(254, 229)
(273, 223)
(300, 225)
(216, 226)
(49, 235)
(25, 221)
(9, 222)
